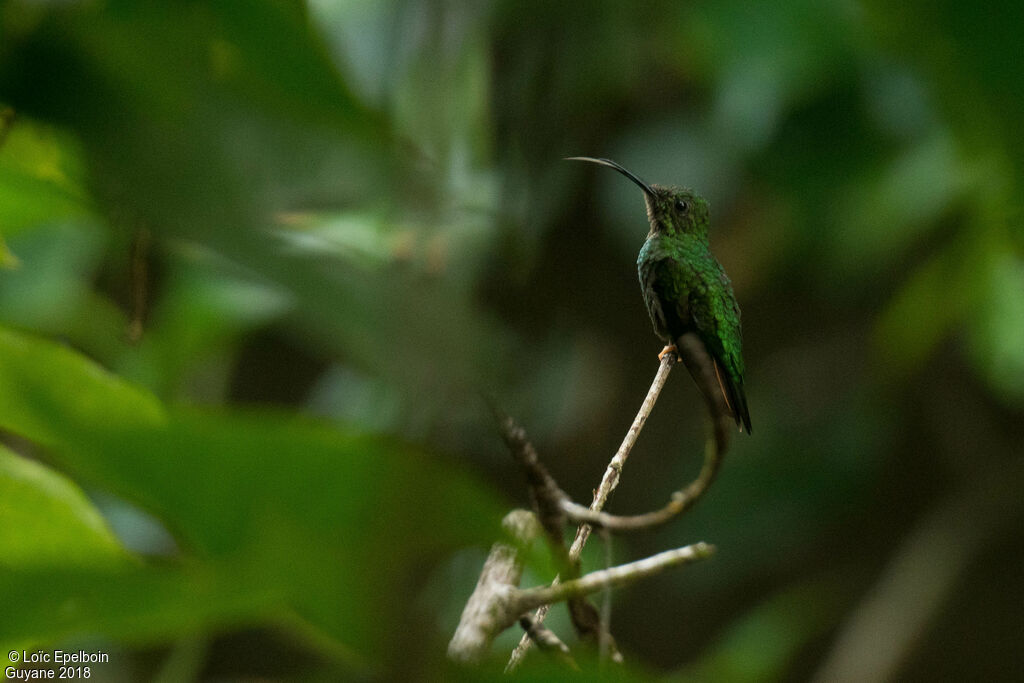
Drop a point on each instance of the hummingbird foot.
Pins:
(671, 348)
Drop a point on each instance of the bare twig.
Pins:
(610, 480)
(548, 503)
(690, 349)
(588, 621)
(547, 641)
(548, 499)
(608, 483)
(487, 611)
(702, 368)
(614, 577)
(680, 502)
(498, 602)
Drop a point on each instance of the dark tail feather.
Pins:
(736, 397)
(740, 404)
(731, 389)
(726, 394)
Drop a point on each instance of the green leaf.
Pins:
(334, 522)
(997, 326)
(50, 285)
(46, 519)
(41, 177)
(51, 395)
(45, 605)
(194, 125)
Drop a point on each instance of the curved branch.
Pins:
(691, 351)
(498, 601)
(702, 368)
(610, 480)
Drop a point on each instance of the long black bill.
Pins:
(611, 164)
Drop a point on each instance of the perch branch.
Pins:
(547, 641)
(702, 368)
(610, 480)
(547, 498)
(498, 602)
(690, 349)
(486, 611)
(548, 503)
(614, 577)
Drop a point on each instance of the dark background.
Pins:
(302, 240)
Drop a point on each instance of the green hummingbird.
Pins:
(685, 287)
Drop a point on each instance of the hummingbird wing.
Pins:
(716, 315)
(684, 297)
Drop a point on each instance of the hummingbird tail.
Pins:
(735, 397)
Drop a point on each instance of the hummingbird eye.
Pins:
(681, 206)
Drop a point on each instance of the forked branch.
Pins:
(554, 508)
(498, 602)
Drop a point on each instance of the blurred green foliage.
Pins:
(258, 261)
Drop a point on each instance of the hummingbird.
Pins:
(685, 288)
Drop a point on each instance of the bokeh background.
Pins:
(260, 261)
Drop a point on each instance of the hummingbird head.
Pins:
(671, 211)
(677, 211)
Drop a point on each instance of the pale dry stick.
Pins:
(610, 480)
(547, 641)
(614, 577)
(498, 601)
(693, 354)
(485, 613)
(698, 362)
(608, 483)
(680, 502)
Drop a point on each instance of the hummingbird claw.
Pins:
(671, 348)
